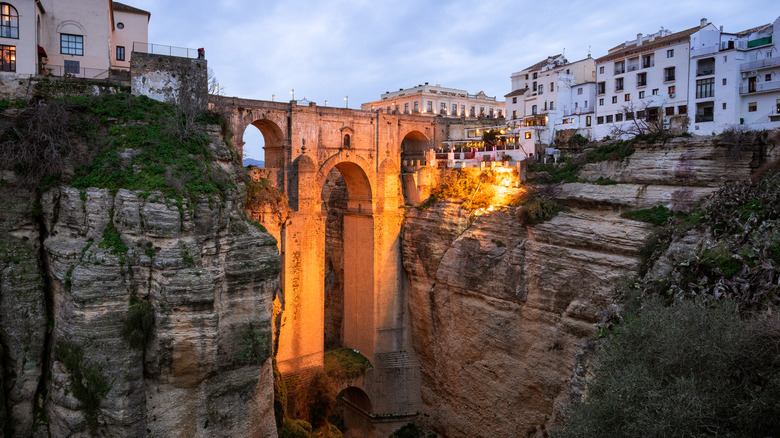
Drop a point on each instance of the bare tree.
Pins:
(643, 119)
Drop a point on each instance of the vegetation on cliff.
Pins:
(693, 351)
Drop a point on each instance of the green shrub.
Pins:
(345, 363)
(321, 399)
(280, 396)
(87, 383)
(112, 239)
(539, 210)
(658, 215)
(603, 181)
(138, 327)
(612, 152)
(295, 429)
(683, 370)
(255, 345)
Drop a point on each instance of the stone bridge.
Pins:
(303, 146)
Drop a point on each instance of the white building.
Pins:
(734, 80)
(550, 97)
(644, 81)
(437, 100)
(84, 38)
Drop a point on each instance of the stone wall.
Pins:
(170, 79)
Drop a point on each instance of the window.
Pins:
(640, 114)
(668, 74)
(482, 111)
(552, 105)
(454, 110)
(655, 91)
(579, 90)
(471, 111)
(641, 94)
(406, 108)
(541, 88)
(601, 101)
(630, 115)
(514, 100)
(641, 79)
(724, 81)
(609, 118)
(430, 106)
(614, 99)
(752, 107)
(601, 70)
(120, 25)
(388, 110)
(576, 104)
(416, 107)
(671, 91)
(9, 24)
(619, 117)
(724, 105)
(586, 104)
(514, 114)
(627, 97)
(588, 120)
(669, 110)
(670, 53)
(491, 113)
(463, 110)
(552, 87)
(647, 61)
(533, 87)
(618, 84)
(443, 108)
(7, 58)
(620, 67)
(527, 135)
(682, 109)
(346, 140)
(535, 75)
(601, 87)
(768, 77)
(120, 53)
(704, 88)
(600, 120)
(533, 110)
(71, 44)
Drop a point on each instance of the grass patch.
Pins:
(345, 363)
(658, 215)
(12, 103)
(112, 240)
(538, 210)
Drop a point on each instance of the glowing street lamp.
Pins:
(273, 97)
(346, 101)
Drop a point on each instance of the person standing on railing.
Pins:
(201, 53)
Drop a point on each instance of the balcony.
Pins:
(648, 64)
(762, 87)
(704, 118)
(705, 72)
(760, 64)
(707, 50)
(641, 83)
(618, 88)
(619, 70)
(669, 78)
(632, 68)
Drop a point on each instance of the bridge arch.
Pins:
(357, 412)
(274, 142)
(357, 174)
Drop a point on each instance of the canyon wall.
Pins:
(82, 274)
(501, 310)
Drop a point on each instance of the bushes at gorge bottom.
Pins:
(695, 352)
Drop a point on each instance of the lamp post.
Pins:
(273, 97)
(326, 102)
(292, 94)
(346, 101)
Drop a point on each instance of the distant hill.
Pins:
(253, 162)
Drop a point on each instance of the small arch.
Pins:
(357, 398)
(273, 139)
(346, 137)
(414, 143)
(356, 409)
(71, 27)
(346, 143)
(9, 21)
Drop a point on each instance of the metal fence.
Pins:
(82, 72)
(161, 49)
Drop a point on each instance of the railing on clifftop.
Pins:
(161, 49)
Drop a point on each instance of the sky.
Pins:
(326, 50)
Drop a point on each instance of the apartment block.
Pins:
(551, 99)
(734, 80)
(437, 100)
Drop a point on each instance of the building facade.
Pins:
(552, 99)
(437, 100)
(84, 39)
(734, 80)
(644, 82)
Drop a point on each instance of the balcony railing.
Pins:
(83, 72)
(668, 78)
(759, 88)
(760, 64)
(619, 70)
(701, 51)
(618, 88)
(641, 83)
(648, 64)
(704, 118)
(160, 49)
(704, 72)
(633, 67)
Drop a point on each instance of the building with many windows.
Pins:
(550, 98)
(84, 38)
(734, 80)
(644, 81)
(437, 100)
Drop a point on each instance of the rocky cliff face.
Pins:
(83, 277)
(501, 311)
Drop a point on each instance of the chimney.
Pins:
(703, 22)
(639, 39)
(721, 28)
